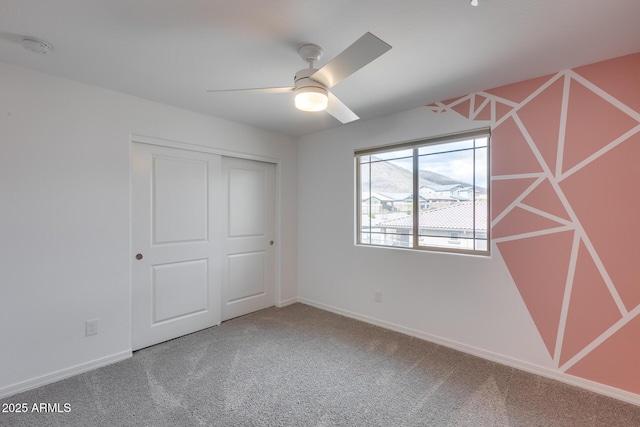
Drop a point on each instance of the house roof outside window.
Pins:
(457, 216)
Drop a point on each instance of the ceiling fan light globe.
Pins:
(311, 99)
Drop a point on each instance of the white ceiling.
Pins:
(172, 51)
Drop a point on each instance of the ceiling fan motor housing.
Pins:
(302, 79)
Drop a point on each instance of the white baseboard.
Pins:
(287, 302)
(62, 374)
(488, 355)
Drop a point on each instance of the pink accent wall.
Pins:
(566, 210)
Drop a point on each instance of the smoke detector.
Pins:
(36, 46)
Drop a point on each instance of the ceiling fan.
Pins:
(311, 86)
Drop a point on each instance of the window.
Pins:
(432, 194)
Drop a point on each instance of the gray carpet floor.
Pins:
(300, 366)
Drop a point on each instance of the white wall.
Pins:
(467, 302)
(65, 216)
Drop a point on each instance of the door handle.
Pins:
(139, 257)
(271, 242)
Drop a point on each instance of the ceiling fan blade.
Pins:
(258, 90)
(360, 53)
(340, 111)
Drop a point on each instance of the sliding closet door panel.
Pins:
(248, 279)
(176, 243)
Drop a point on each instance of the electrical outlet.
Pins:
(378, 296)
(91, 327)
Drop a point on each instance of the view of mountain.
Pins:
(396, 179)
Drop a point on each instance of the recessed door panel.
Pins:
(246, 275)
(179, 289)
(246, 202)
(180, 199)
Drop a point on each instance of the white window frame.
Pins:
(415, 146)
